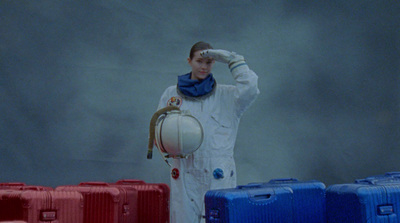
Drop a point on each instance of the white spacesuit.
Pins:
(211, 166)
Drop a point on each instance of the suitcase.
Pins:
(41, 206)
(372, 200)
(153, 200)
(309, 204)
(106, 203)
(253, 203)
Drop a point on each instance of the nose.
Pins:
(204, 65)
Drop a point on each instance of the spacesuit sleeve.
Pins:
(246, 90)
(168, 93)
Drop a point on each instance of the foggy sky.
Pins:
(80, 81)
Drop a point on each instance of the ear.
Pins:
(189, 60)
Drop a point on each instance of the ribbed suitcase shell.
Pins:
(309, 204)
(41, 206)
(372, 200)
(106, 203)
(153, 200)
(249, 204)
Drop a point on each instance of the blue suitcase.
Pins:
(373, 200)
(249, 204)
(309, 204)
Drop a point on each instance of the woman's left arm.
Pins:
(246, 80)
(246, 87)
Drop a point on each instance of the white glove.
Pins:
(231, 58)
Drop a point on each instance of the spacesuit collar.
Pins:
(195, 88)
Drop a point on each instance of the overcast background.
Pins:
(80, 80)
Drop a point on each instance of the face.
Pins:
(201, 67)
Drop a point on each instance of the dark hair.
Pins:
(199, 46)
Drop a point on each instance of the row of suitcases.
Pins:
(375, 199)
(125, 201)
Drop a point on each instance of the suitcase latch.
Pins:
(214, 214)
(48, 215)
(126, 209)
(385, 209)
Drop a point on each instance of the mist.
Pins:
(79, 82)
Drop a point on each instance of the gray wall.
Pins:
(80, 80)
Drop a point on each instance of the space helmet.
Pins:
(176, 133)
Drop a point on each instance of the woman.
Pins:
(218, 108)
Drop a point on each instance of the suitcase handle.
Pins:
(93, 183)
(130, 181)
(36, 188)
(264, 195)
(261, 197)
(366, 181)
(378, 181)
(257, 196)
(393, 174)
(249, 186)
(13, 184)
(283, 180)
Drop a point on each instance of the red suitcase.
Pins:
(153, 200)
(41, 206)
(106, 203)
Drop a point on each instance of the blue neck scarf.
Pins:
(195, 88)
